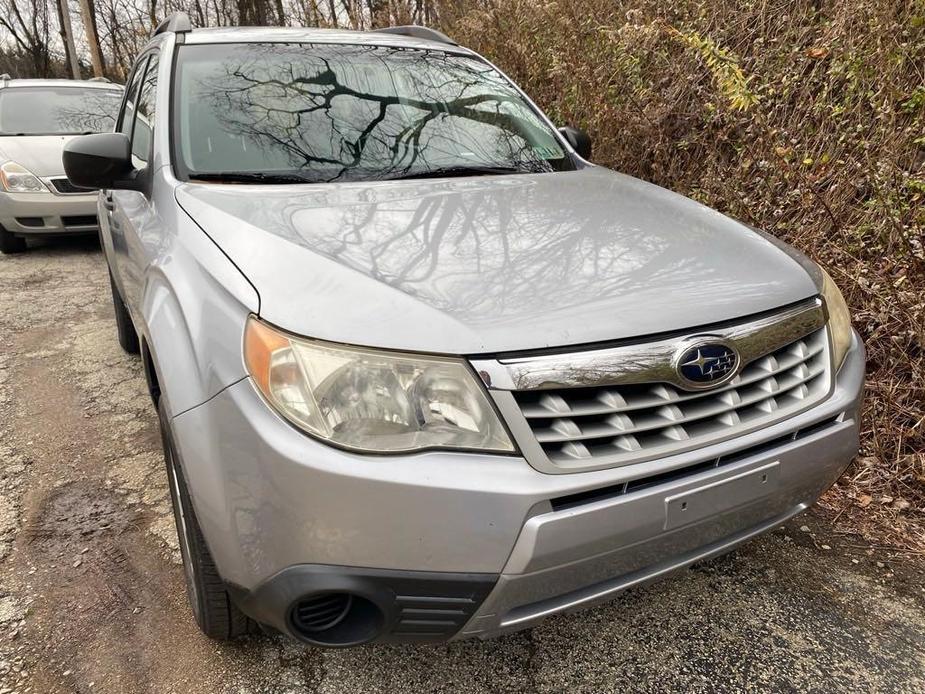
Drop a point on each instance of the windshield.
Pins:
(58, 110)
(323, 112)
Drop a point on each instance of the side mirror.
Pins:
(579, 140)
(101, 161)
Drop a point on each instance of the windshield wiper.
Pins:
(248, 177)
(85, 132)
(457, 171)
(270, 177)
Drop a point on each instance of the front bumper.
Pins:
(41, 214)
(274, 503)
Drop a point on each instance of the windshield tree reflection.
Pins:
(350, 112)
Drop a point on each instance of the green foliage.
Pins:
(916, 101)
(724, 67)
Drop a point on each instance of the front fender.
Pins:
(195, 304)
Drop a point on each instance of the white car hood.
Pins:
(41, 154)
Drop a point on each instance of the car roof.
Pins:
(8, 84)
(312, 35)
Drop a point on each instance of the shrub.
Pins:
(803, 118)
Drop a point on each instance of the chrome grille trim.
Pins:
(635, 413)
(646, 362)
(763, 393)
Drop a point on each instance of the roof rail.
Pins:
(418, 32)
(177, 23)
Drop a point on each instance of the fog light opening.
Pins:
(336, 619)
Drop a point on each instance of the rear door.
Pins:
(132, 212)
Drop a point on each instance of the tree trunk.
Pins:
(333, 10)
(67, 36)
(96, 55)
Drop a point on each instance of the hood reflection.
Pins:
(556, 258)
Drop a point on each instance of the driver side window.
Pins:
(144, 115)
(124, 125)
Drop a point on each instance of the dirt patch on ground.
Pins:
(92, 596)
(72, 517)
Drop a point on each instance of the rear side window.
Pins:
(144, 116)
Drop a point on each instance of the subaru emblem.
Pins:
(707, 363)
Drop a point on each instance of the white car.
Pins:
(37, 118)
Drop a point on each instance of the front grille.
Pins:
(618, 424)
(63, 185)
(80, 220)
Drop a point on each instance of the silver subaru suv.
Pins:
(423, 372)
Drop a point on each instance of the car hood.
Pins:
(492, 264)
(41, 154)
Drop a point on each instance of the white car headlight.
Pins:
(839, 318)
(372, 400)
(16, 178)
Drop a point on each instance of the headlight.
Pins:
(839, 318)
(18, 179)
(371, 400)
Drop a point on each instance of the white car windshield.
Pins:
(58, 110)
(330, 112)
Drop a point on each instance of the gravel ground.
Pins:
(92, 597)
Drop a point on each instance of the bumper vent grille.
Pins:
(633, 422)
(322, 612)
(581, 498)
(63, 185)
(81, 220)
(429, 617)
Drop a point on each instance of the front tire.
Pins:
(128, 338)
(10, 243)
(217, 616)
